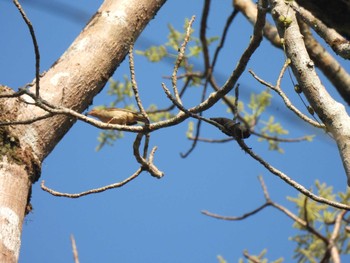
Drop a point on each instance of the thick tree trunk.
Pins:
(72, 82)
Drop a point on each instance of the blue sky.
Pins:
(159, 220)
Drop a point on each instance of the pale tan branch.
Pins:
(134, 84)
(338, 43)
(92, 191)
(180, 57)
(188, 112)
(332, 246)
(146, 165)
(323, 59)
(74, 249)
(330, 67)
(287, 102)
(332, 113)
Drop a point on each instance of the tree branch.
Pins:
(35, 44)
(331, 112)
(92, 191)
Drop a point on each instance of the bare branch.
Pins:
(290, 181)
(338, 43)
(325, 61)
(276, 139)
(75, 250)
(188, 112)
(264, 188)
(35, 44)
(146, 165)
(332, 113)
(249, 10)
(287, 102)
(203, 38)
(134, 84)
(223, 38)
(211, 140)
(26, 122)
(236, 218)
(332, 247)
(92, 191)
(180, 57)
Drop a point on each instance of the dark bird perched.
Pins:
(232, 128)
(117, 116)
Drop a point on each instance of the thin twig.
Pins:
(180, 57)
(283, 70)
(75, 250)
(92, 191)
(268, 202)
(236, 218)
(11, 93)
(211, 140)
(287, 102)
(134, 84)
(290, 181)
(188, 112)
(28, 121)
(203, 38)
(35, 44)
(332, 247)
(207, 70)
(223, 38)
(146, 165)
(276, 139)
(264, 188)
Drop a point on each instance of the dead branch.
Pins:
(35, 44)
(92, 191)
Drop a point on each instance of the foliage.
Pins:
(259, 258)
(171, 47)
(322, 218)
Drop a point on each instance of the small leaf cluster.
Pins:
(310, 247)
(260, 258)
(171, 48)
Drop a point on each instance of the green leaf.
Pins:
(108, 138)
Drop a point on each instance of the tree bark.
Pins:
(331, 112)
(73, 81)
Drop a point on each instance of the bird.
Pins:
(117, 116)
(232, 128)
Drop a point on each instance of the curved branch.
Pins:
(287, 102)
(35, 44)
(289, 180)
(236, 218)
(92, 191)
